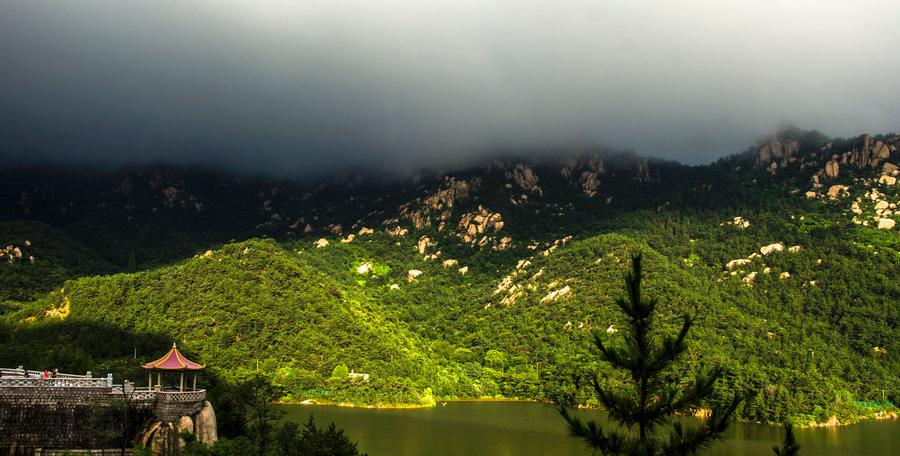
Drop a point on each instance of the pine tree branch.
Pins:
(592, 433)
(688, 441)
(671, 347)
(619, 406)
(702, 388)
(649, 402)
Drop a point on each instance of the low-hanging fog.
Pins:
(300, 87)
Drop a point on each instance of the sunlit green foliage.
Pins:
(136, 276)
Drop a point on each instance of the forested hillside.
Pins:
(484, 281)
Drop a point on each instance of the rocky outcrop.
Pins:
(750, 278)
(438, 206)
(454, 190)
(205, 425)
(14, 253)
(861, 155)
(423, 244)
(644, 175)
(503, 243)
(397, 231)
(737, 222)
(832, 169)
(475, 227)
(590, 181)
(771, 248)
(864, 153)
(165, 437)
(525, 178)
(737, 263)
(555, 295)
(413, 274)
(591, 169)
(779, 152)
(557, 244)
(836, 191)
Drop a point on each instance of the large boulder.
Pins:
(771, 248)
(881, 150)
(832, 169)
(205, 425)
(837, 190)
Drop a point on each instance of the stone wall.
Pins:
(67, 418)
(37, 418)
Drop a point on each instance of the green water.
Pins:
(521, 428)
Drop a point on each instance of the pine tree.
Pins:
(790, 446)
(644, 412)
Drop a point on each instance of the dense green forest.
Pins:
(484, 282)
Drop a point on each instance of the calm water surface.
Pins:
(522, 428)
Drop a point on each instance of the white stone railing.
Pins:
(22, 377)
(12, 379)
(54, 382)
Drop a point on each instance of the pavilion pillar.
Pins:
(195, 381)
(149, 380)
(159, 380)
(181, 383)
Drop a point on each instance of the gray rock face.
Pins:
(525, 178)
(777, 150)
(165, 437)
(205, 426)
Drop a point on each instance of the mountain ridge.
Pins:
(490, 277)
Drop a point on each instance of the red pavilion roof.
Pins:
(173, 361)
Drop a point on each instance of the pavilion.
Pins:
(173, 361)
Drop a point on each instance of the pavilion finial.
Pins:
(173, 345)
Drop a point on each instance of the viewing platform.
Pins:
(44, 411)
(31, 387)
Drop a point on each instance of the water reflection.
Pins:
(519, 428)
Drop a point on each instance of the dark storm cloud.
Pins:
(293, 87)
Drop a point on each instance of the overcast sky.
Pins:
(292, 86)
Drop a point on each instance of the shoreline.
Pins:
(832, 423)
(437, 403)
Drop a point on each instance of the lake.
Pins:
(525, 428)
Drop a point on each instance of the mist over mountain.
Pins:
(479, 281)
(303, 88)
(399, 204)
